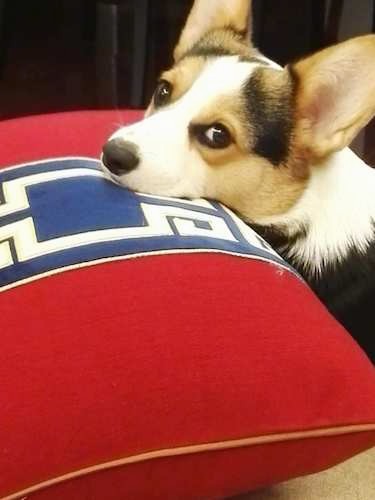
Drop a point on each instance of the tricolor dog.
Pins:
(271, 143)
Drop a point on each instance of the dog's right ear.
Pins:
(207, 15)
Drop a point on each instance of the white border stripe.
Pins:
(199, 448)
(83, 265)
(48, 160)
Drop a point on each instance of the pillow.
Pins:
(157, 348)
(81, 133)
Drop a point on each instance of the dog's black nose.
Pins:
(120, 157)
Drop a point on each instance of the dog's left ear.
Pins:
(335, 95)
(207, 15)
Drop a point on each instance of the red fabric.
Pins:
(207, 476)
(75, 133)
(115, 360)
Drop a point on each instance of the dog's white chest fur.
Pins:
(337, 210)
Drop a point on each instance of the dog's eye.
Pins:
(163, 93)
(216, 136)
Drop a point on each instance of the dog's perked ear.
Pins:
(207, 15)
(335, 95)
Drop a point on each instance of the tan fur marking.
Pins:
(183, 75)
(227, 111)
(254, 188)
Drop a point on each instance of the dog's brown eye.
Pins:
(216, 136)
(163, 93)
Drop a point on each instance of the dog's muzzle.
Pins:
(120, 157)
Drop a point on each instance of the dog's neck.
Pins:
(329, 237)
(335, 215)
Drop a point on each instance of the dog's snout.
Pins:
(120, 157)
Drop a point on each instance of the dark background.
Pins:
(58, 55)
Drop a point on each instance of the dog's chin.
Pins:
(157, 185)
(167, 192)
(153, 191)
(126, 183)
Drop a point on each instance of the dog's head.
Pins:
(228, 124)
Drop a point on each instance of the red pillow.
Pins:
(204, 369)
(58, 134)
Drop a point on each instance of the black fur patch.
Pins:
(213, 50)
(346, 287)
(271, 118)
(209, 50)
(348, 290)
(210, 46)
(278, 238)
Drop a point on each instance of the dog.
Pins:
(226, 123)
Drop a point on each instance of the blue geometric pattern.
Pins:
(63, 213)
